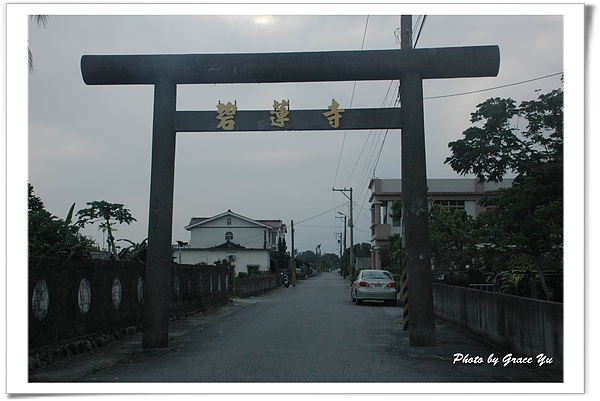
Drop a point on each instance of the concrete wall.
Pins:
(521, 326)
(242, 257)
(255, 285)
(80, 298)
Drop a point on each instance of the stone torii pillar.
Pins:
(165, 72)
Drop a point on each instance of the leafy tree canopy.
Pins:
(51, 236)
(525, 225)
(108, 214)
(496, 146)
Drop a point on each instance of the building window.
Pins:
(451, 204)
(397, 222)
(229, 221)
(253, 270)
(228, 236)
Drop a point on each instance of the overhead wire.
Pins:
(493, 88)
(351, 102)
(374, 139)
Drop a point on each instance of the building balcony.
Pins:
(381, 232)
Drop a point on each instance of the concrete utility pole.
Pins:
(292, 259)
(414, 198)
(351, 225)
(339, 239)
(344, 248)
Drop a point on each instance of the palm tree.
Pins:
(40, 20)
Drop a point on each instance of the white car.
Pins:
(374, 285)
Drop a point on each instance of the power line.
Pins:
(420, 29)
(320, 214)
(351, 101)
(495, 87)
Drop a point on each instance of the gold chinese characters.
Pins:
(281, 112)
(226, 112)
(280, 115)
(334, 114)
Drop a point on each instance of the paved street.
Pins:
(309, 333)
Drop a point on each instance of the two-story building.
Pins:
(451, 193)
(245, 242)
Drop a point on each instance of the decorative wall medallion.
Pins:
(117, 291)
(40, 300)
(84, 296)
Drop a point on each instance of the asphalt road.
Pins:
(311, 333)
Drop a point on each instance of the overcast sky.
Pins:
(91, 143)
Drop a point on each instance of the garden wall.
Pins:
(521, 326)
(250, 286)
(79, 298)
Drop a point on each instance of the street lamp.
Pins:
(181, 245)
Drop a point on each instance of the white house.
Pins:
(243, 241)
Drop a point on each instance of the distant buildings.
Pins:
(243, 241)
(452, 193)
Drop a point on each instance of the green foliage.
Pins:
(392, 254)
(134, 252)
(281, 255)
(330, 261)
(39, 20)
(108, 214)
(450, 233)
(526, 223)
(307, 256)
(51, 236)
(520, 236)
(496, 146)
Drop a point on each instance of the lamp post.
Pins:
(181, 245)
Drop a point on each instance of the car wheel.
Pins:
(393, 302)
(352, 296)
(358, 301)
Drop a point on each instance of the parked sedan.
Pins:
(374, 285)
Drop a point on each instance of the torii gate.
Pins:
(408, 65)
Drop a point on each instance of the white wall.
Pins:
(243, 257)
(245, 233)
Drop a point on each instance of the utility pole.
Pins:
(344, 248)
(318, 259)
(292, 264)
(338, 236)
(351, 225)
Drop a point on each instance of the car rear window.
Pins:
(377, 275)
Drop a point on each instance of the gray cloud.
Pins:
(91, 142)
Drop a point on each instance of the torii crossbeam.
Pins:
(408, 65)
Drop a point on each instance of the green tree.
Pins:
(528, 217)
(307, 256)
(450, 233)
(108, 214)
(392, 255)
(281, 255)
(331, 261)
(496, 146)
(134, 252)
(51, 236)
